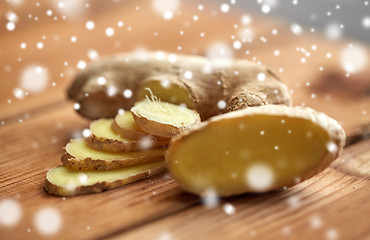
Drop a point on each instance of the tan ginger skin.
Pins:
(235, 82)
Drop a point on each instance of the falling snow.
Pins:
(109, 32)
(86, 133)
(82, 178)
(12, 16)
(164, 236)
(210, 199)
(219, 52)
(315, 222)
(333, 31)
(261, 77)
(188, 75)
(10, 212)
(127, 93)
(40, 45)
(172, 58)
(70, 8)
(366, 22)
(286, 230)
(48, 221)
(296, 29)
(90, 25)
(160, 55)
(166, 8)
(331, 234)
(10, 26)
(168, 15)
(237, 45)
(332, 147)
(246, 19)
(34, 78)
(81, 64)
(228, 208)
(260, 177)
(293, 201)
(221, 104)
(92, 54)
(225, 7)
(353, 58)
(146, 142)
(265, 8)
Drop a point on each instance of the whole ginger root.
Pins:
(119, 81)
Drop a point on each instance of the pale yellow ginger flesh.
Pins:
(103, 138)
(124, 125)
(63, 181)
(167, 92)
(163, 119)
(80, 156)
(126, 121)
(102, 128)
(254, 150)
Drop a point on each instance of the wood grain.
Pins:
(23, 175)
(34, 130)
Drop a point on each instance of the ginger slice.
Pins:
(80, 156)
(103, 138)
(63, 181)
(163, 119)
(254, 150)
(124, 125)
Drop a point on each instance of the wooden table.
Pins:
(332, 205)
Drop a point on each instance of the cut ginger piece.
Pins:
(63, 181)
(80, 156)
(257, 149)
(163, 119)
(103, 138)
(124, 125)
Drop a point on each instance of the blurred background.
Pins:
(333, 18)
(314, 46)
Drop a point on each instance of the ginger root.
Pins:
(62, 181)
(124, 125)
(103, 138)
(119, 81)
(80, 156)
(163, 119)
(254, 150)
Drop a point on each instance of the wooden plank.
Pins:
(331, 205)
(30, 148)
(108, 213)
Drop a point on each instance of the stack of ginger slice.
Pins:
(117, 152)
